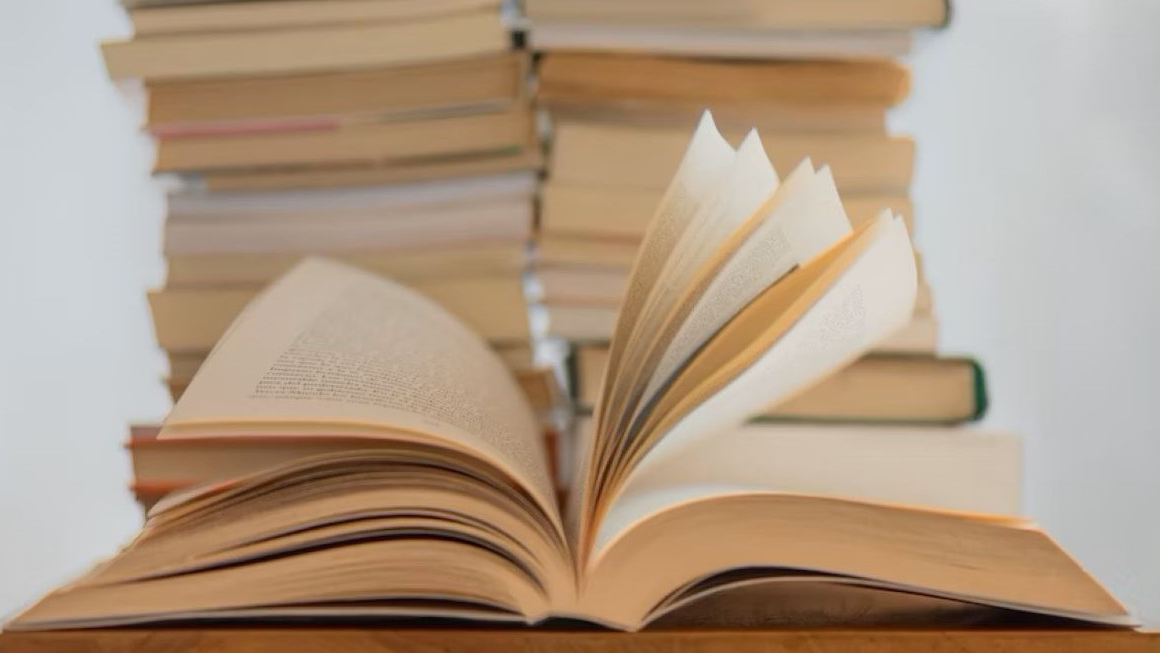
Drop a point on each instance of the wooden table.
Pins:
(395, 640)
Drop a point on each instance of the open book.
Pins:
(432, 498)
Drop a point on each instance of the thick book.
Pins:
(588, 209)
(327, 100)
(879, 388)
(723, 42)
(416, 139)
(768, 14)
(499, 258)
(599, 78)
(393, 218)
(683, 114)
(196, 17)
(290, 51)
(453, 513)
(620, 156)
(363, 174)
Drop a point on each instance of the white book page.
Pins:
(707, 160)
(332, 350)
(750, 182)
(805, 219)
(869, 301)
(935, 467)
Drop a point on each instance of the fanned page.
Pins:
(799, 221)
(752, 362)
(705, 163)
(748, 184)
(329, 350)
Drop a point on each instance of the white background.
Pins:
(1038, 203)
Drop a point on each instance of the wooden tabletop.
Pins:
(395, 640)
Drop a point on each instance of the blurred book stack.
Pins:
(392, 134)
(624, 82)
(400, 136)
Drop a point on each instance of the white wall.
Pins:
(1038, 212)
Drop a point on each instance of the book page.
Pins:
(940, 469)
(804, 218)
(329, 349)
(750, 182)
(871, 298)
(707, 160)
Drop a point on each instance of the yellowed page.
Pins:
(806, 219)
(332, 346)
(1006, 563)
(870, 300)
(707, 160)
(749, 183)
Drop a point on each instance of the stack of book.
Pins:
(395, 135)
(623, 82)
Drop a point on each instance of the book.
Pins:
(350, 143)
(452, 513)
(778, 14)
(602, 77)
(618, 156)
(878, 388)
(327, 100)
(553, 249)
(361, 174)
(193, 319)
(501, 215)
(292, 51)
(501, 220)
(382, 202)
(683, 115)
(576, 209)
(183, 18)
(499, 258)
(719, 42)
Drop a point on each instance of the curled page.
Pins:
(708, 158)
(750, 182)
(867, 302)
(803, 219)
